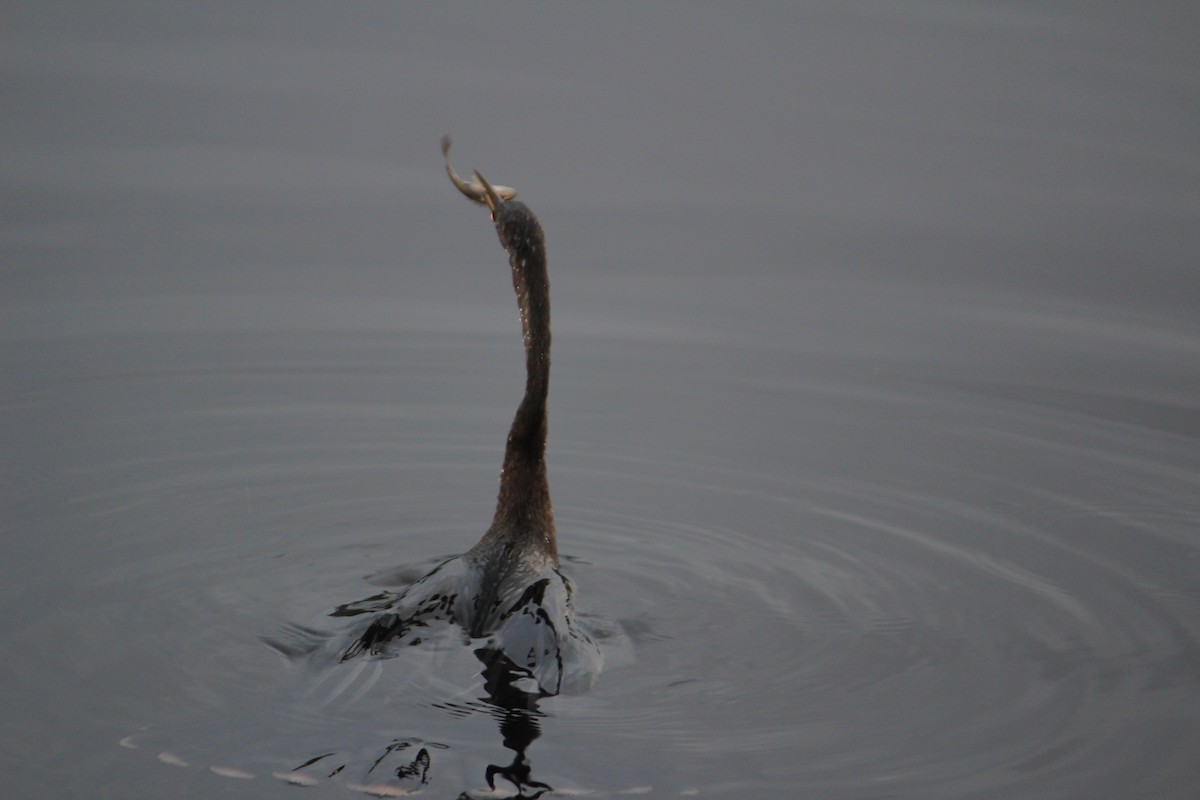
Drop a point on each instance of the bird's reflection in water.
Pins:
(406, 765)
(534, 626)
(516, 711)
(519, 728)
(382, 778)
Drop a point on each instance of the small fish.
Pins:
(477, 191)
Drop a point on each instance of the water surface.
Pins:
(873, 410)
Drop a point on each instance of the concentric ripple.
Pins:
(840, 571)
(935, 645)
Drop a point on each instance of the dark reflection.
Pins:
(406, 764)
(517, 713)
(402, 767)
(516, 676)
(519, 730)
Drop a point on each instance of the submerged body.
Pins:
(506, 593)
(523, 628)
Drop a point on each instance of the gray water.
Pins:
(874, 407)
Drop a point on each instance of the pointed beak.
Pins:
(490, 196)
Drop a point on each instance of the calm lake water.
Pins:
(874, 412)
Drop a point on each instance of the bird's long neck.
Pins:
(523, 509)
